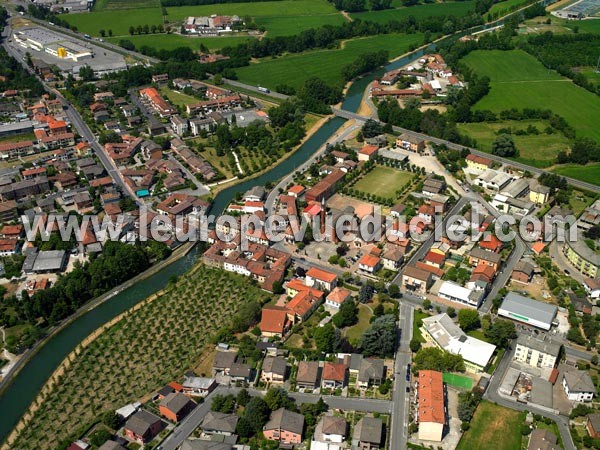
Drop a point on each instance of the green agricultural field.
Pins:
(503, 8)
(133, 358)
(255, 9)
(294, 69)
(383, 181)
(493, 423)
(509, 66)
(538, 150)
(115, 20)
(589, 173)
(172, 41)
(520, 81)
(418, 12)
(584, 26)
(292, 25)
(102, 5)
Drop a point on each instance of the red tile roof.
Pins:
(274, 319)
(334, 371)
(431, 397)
(321, 275)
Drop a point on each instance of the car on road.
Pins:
(567, 272)
(408, 389)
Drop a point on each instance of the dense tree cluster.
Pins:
(433, 358)
(347, 315)
(504, 146)
(118, 263)
(380, 339)
(364, 63)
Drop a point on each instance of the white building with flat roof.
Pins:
(43, 40)
(456, 293)
(441, 331)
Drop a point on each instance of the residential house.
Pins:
(198, 386)
(459, 294)
(176, 406)
(592, 287)
(523, 272)
(368, 153)
(368, 433)
(275, 321)
(369, 263)
(538, 193)
(416, 280)
(330, 429)
(578, 385)
(307, 376)
(477, 162)
(224, 360)
(321, 279)
(410, 143)
(593, 425)
(179, 124)
(541, 439)
(432, 411)
(274, 370)
(336, 298)
(219, 423)
(334, 375)
(393, 257)
(143, 426)
(481, 256)
(284, 426)
(370, 373)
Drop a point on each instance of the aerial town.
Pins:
(303, 224)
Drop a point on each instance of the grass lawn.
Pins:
(383, 181)
(18, 137)
(591, 74)
(478, 334)
(417, 323)
(589, 173)
(107, 374)
(417, 11)
(294, 69)
(292, 25)
(172, 41)
(520, 81)
(584, 26)
(537, 150)
(115, 20)
(356, 331)
(255, 9)
(177, 98)
(101, 5)
(493, 423)
(580, 200)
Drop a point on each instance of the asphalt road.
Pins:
(193, 420)
(253, 88)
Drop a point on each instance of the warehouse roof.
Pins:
(532, 309)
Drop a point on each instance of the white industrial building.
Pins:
(537, 352)
(441, 331)
(42, 40)
(529, 311)
(456, 293)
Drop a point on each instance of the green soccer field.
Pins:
(293, 70)
(518, 80)
(383, 181)
(456, 380)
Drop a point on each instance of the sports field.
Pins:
(383, 181)
(172, 41)
(589, 173)
(116, 20)
(458, 381)
(293, 70)
(537, 150)
(418, 11)
(493, 423)
(520, 81)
